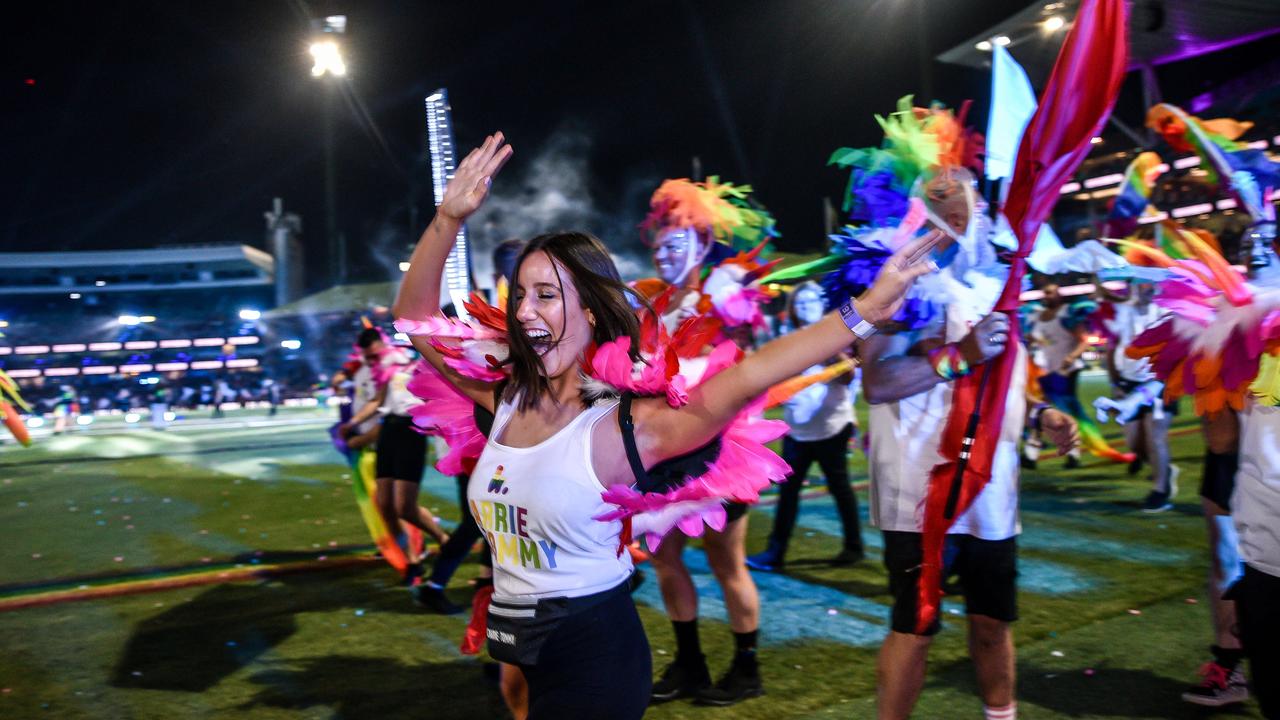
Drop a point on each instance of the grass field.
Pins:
(1114, 619)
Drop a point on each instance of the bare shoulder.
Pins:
(663, 432)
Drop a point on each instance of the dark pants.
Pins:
(988, 571)
(595, 665)
(460, 542)
(832, 456)
(1257, 597)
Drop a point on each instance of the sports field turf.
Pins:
(1114, 619)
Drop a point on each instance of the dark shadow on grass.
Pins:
(1118, 693)
(384, 688)
(853, 587)
(193, 646)
(1108, 692)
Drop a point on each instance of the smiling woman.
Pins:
(560, 608)
(559, 320)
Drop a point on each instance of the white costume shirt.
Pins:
(904, 437)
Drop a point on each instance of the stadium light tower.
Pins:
(330, 67)
(457, 266)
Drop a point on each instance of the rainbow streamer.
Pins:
(790, 387)
(363, 469)
(1135, 195)
(175, 579)
(8, 415)
(1090, 434)
(1169, 239)
(1246, 170)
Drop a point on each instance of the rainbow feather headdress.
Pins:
(722, 211)
(919, 144)
(926, 152)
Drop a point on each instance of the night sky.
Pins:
(141, 124)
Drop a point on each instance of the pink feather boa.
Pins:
(744, 467)
(449, 414)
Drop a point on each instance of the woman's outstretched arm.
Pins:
(419, 296)
(663, 432)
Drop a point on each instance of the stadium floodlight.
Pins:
(74, 296)
(404, 266)
(328, 59)
(99, 283)
(1053, 24)
(983, 46)
(129, 320)
(35, 421)
(147, 318)
(291, 344)
(84, 420)
(1001, 40)
(4, 323)
(249, 314)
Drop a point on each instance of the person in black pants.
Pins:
(822, 424)
(430, 594)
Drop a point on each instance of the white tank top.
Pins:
(536, 507)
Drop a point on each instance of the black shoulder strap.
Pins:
(628, 427)
(484, 418)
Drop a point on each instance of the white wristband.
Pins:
(852, 320)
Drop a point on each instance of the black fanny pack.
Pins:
(517, 630)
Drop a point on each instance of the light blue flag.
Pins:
(1012, 104)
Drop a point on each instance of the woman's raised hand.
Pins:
(886, 295)
(469, 187)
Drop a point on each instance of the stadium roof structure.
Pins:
(1160, 31)
(354, 298)
(107, 271)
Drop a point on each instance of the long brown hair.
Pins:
(600, 289)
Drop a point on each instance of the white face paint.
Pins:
(676, 254)
(808, 306)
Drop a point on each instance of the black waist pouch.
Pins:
(517, 631)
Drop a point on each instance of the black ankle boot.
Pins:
(681, 678)
(741, 682)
